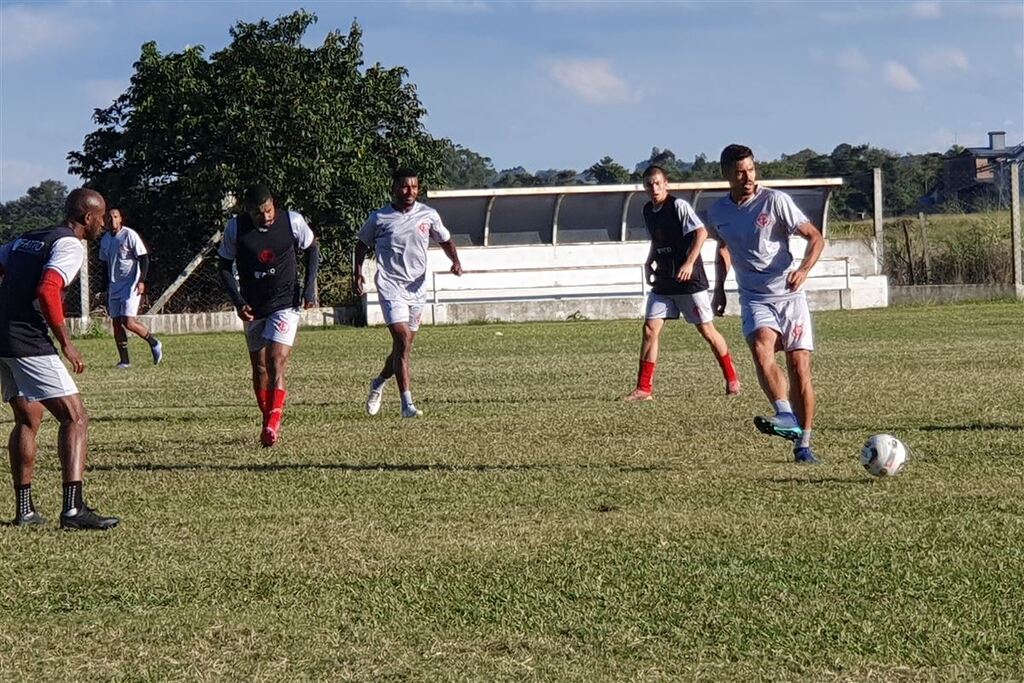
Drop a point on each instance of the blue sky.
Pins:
(554, 84)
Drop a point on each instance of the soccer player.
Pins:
(753, 226)
(125, 263)
(399, 235)
(263, 241)
(36, 269)
(680, 286)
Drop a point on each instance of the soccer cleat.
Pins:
(783, 424)
(373, 400)
(638, 395)
(123, 366)
(33, 518)
(411, 411)
(732, 388)
(805, 456)
(87, 518)
(158, 352)
(268, 437)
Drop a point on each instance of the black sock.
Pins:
(122, 350)
(24, 500)
(151, 340)
(73, 497)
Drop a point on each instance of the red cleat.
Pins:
(732, 388)
(268, 437)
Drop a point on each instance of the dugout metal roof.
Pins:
(583, 214)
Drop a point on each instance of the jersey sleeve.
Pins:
(300, 230)
(136, 243)
(790, 214)
(368, 233)
(688, 218)
(437, 229)
(228, 245)
(66, 257)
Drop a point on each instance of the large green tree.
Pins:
(462, 168)
(313, 124)
(41, 206)
(608, 172)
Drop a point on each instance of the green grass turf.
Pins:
(531, 526)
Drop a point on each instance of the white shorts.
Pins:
(277, 328)
(36, 378)
(401, 312)
(695, 308)
(789, 317)
(123, 307)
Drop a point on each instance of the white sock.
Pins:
(377, 383)
(782, 406)
(406, 399)
(805, 439)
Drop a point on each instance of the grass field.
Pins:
(531, 526)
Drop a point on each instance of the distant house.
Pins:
(981, 174)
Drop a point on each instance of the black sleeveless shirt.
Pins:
(671, 247)
(267, 264)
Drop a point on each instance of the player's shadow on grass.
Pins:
(816, 482)
(363, 467)
(975, 427)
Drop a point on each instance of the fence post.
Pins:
(1018, 272)
(924, 243)
(879, 244)
(83, 289)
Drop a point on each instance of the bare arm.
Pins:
(816, 245)
(358, 281)
(452, 253)
(686, 270)
(723, 262)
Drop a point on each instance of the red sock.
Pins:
(645, 378)
(728, 370)
(263, 400)
(276, 409)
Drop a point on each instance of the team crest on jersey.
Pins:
(424, 228)
(266, 256)
(765, 220)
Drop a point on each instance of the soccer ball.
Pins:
(883, 455)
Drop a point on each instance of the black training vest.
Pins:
(267, 264)
(23, 331)
(671, 248)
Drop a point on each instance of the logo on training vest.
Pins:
(424, 228)
(765, 220)
(282, 326)
(266, 256)
(30, 246)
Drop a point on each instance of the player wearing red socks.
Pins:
(263, 243)
(679, 287)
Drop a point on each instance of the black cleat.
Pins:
(33, 518)
(87, 518)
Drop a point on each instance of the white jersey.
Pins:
(121, 253)
(757, 234)
(400, 240)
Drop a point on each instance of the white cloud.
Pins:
(101, 93)
(456, 6)
(898, 77)
(946, 59)
(852, 60)
(27, 30)
(926, 10)
(592, 80)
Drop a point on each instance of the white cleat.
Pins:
(124, 366)
(373, 400)
(412, 411)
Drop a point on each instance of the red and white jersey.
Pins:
(757, 234)
(400, 240)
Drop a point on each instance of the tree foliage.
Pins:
(40, 207)
(608, 172)
(313, 124)
(462, 168)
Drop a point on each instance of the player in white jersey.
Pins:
(753, 226)
(399, 235)
(679, 287)
(125, 263)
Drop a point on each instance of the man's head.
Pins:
(114, 220)
(405, 188)
(656, 183)
(738, 168)
(258, 202)
(87, 209)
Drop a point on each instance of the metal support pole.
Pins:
(83, 281)
(879, 244)
(1015, 238)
